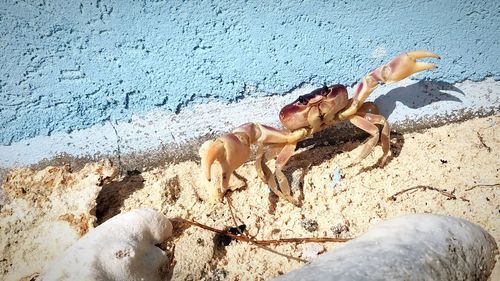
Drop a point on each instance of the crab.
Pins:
(309, 114)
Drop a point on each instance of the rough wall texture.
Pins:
(68, 65)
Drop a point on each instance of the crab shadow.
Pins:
(345, 137)
(417, 95)
(341, 139)
(319, 149)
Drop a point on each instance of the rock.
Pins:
(49, 210)
(412, 247)
(122, 248)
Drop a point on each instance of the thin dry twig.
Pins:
(247, 233)
(280, 254)
(482, 185)
(302, 240)
(230, 204)
(246, 237)
(286, 240)
(448, 194)
(238, 237)
(262, 243)
(464, 199)
(482, 141)
(265, 242)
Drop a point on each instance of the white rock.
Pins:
(412, 247)
(122, 248)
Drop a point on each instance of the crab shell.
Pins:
(323, 103)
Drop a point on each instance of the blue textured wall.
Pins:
(67, 65)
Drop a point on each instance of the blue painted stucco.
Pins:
(67, 65)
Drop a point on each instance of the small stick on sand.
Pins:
(261, 243)
(285, 240)
(482, 142)
(448, 194)
(264, 242)
(482, 185)
(236, 237)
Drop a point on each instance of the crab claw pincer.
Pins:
(403, 66)
(395, 70)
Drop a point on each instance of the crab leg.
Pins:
(263, 170)
(366, 119)
(396, 70)
(284, 153)
(280, 142)
(281, 161)
(233, 150)
(371, 129)
(384, 136)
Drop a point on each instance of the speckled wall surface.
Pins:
(68, 65)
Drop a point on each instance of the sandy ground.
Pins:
(337, 200)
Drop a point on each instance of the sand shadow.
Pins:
(345, 137)
(321, 150)
(336, 140)
(417, 95)
(113, 194)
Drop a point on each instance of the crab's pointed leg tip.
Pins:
(436, 56)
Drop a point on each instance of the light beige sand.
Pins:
(462, 159)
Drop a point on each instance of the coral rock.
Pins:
(122, 248)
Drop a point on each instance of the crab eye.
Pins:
(302, 100)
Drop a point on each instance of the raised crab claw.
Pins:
(307, 115)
